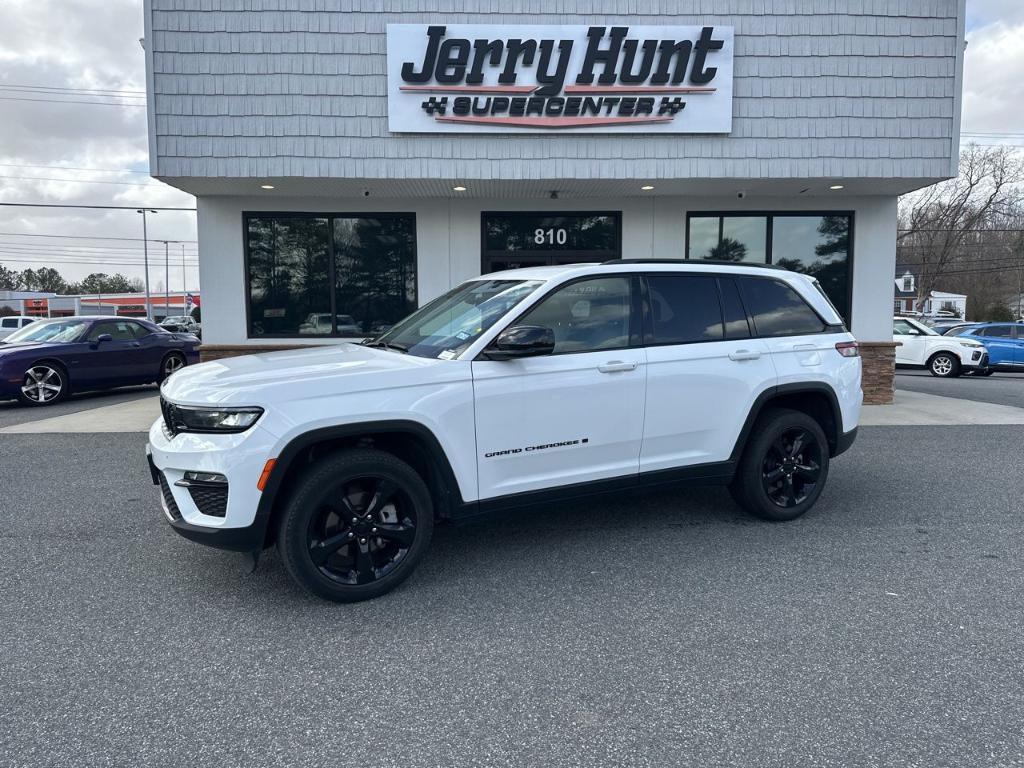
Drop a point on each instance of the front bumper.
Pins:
(976, 359)
(229, 524)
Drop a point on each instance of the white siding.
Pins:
(277, 88)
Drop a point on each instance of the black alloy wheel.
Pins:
(791, 467)
(363, 533)
(43, 384)
(784, 466)
(356, 525)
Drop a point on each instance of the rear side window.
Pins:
(998, 331)
(733, 312)
(9, 322)
(777, 309)
(683, 309)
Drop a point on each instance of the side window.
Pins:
(138, 330)
(733, 312)
(998, 331)
(586, 316)
(683, 309)
(118, 330)
(777, 309)
(9, 322)
(902, 328)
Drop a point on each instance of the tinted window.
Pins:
(291, 273)
(777, 309)
(9, 322)
(998, 331)
(118, 330)
(733, 311)
(586, 316)
(139, 330)
(683, 309)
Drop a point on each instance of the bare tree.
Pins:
(937, 223)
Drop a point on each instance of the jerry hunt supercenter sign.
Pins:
(470, 78)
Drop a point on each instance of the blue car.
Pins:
(45, 361)
(1005, 345)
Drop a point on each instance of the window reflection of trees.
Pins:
(831, 265)
(290, 273)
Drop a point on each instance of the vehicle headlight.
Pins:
(187, 418)
(974, 344)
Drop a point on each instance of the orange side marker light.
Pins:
(265, 474)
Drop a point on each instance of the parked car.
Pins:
(515, 387)
(11, 323)
(954, 329)
(182, 324)
(1004, 343)
(943, 356)
(319, 323)
(44, 362)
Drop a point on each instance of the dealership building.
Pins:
(352, 161)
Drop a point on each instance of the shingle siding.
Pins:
(258, 88)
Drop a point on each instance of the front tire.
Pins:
(43, 384)
(356, 526)
(945, 365)
(784, 466)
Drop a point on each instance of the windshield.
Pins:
(174, 320)
(447, 325)
(49, 330)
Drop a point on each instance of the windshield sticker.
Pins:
(448, 354)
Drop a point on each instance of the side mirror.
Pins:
(522, 341)
(101, 338)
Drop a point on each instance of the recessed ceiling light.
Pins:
(836, 186)
(646, 187)
(458, 189)
(266, 186)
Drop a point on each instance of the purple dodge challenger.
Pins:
(45, 361)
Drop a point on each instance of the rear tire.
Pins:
(784, 466)
(945, 365)
(356, 526)
(171, 363)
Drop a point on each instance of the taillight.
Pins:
(848, 348)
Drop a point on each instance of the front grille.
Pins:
(210, 499)
(169, 502)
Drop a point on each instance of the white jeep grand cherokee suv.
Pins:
(515, 387)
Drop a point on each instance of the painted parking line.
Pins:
(919, 409)
(133, 416)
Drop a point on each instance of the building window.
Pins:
(515, 239)
(329, 275)
(816, 244)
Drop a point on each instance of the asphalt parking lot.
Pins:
(669, 629)
(999, 388)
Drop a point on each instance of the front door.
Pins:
(576, 415)
(516, 239)
(913, 346)
(112, 362)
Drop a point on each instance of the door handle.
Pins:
(745, 354)
(136, 344)
(617, 365)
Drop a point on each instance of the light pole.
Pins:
(145, 257)
(167, 281)
(183, 289)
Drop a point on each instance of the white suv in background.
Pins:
(12, 323)
(943, 356)
(513, 388)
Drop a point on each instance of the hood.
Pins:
(296, 374)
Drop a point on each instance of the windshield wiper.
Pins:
(403, 348)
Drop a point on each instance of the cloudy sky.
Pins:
(55, 54)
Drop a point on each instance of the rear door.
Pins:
(795, 334)
(704, 370)
(575, 416)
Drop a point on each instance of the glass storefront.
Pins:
(294, 260)
(516, 239)
(815, 244)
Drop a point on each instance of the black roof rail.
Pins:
(709, 262)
